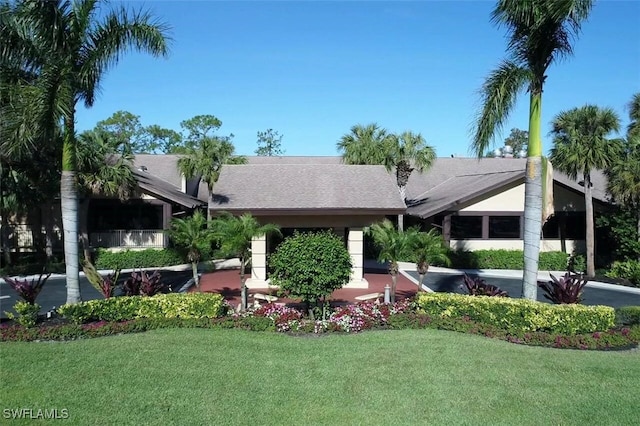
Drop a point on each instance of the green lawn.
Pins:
(201, 377)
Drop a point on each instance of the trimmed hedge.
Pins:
(507, 259)
(628, 315)
(519, 315)
(628, 270)
(148, 258)
(125, 308)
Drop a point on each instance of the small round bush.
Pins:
(310, 266)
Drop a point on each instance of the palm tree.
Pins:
(206, 160)
(374, 145)
(364, 144)
(405, 153)
(580, 145)
(104, 168)
(395, 245)
(193, 236)
(234, 234)
(540, 32)
(70, 46)
(429, 248)
(634, 115)
(624, 175)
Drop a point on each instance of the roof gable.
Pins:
(306, 187)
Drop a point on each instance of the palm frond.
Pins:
(118, 33)
(498, 97)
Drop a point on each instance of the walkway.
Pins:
(227, 283)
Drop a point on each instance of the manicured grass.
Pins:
(196, 376)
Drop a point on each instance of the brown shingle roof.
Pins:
(165, 191)
(452, 182)
(307, 187)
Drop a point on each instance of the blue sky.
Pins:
(312, 69)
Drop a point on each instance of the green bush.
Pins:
(506, 259)
(519, 315)
(628, 270)
(310, 266)
(27, 313)
(129, 259)
(628, 315)
(176, 305)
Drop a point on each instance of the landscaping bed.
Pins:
(574, 327)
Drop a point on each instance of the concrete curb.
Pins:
(507, 273)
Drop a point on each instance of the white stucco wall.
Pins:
(511, 200)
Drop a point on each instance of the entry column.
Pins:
(258, 262)
(355, 245)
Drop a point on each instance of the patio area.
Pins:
(227, 283)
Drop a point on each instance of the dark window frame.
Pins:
(485, 215)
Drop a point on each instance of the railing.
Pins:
(18, 237)
(130, 238)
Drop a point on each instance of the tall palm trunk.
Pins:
(209, 207)
(83, 207)
(4, 236)
(4, 225)
(533, 198)
(35, 218)
(590, 239)
(243, 286)
(69, 205)
(48, 232)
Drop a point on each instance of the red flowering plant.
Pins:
(364, 315)
(284, 318)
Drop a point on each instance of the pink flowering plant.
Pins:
(349, 318)
(284, 318)
(364, 316)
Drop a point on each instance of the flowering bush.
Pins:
(349, 318)
(364, 315)
(284, 319)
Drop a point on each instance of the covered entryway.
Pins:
(344, 198)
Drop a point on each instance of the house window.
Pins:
(551, 228)
(504, 227)
(567, 225)
(466, 227)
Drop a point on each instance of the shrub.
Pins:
(476, 286)
(27, 313)
(628, 315)
(148, 258)
(177, 305)
(506, 259)
(310, 266)
(141, 284)
(567, 289)
(105, 285)
(628, 270)
(28, 289)
(519, 315)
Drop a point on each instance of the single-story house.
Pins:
(476, 203)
